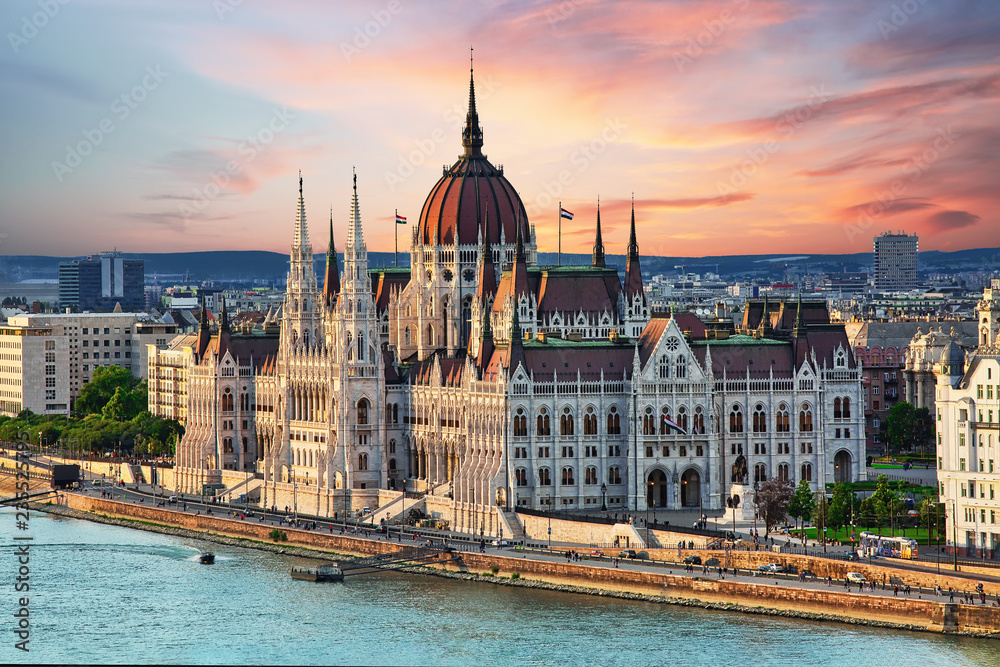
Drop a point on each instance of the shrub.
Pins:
(487, 574)
(495, 569)
(278, 535)
(515, 576)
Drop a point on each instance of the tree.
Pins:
(802, 502)
(923, 428)
(106, 380)
(772, 502)
(899, 427)
(838, 511)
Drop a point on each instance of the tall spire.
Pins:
(515, 348)
(633, 272)
(355, 236)
(472, 135)
(301, 240)
(331, 282)
(599, 240)
(204, 336)
(487, 283)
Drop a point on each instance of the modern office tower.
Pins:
(895, 262)
(101, 282)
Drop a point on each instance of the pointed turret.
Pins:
(301, 240)
(331, 282)
(204, 335)
(633, 273)
(355, 235)
(224, 332)
(486, 344)
(519, 269)
(799, 329)
(599, 241)
(487, 284)
(472, 135)
(515, 349)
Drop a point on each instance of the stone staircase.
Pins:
(247, 486)
(512, 528)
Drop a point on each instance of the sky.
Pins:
(738, 126)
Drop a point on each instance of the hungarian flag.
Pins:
(563, 213)
(672, 424)
(400, 220)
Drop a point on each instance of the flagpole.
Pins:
(559, 213)
(395, 236)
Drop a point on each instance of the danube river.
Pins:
(112, 595)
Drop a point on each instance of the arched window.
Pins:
(245, 402)
(361, 346)
(736, 419)
(590, 422)
(759, 473)
(543, 426)
(699, 421)
(227, 400)
(227, 445)
(567, 476)
(520, 424)
(614, 475)
(521, 476)
(664, 368)
(590, 475)
(363, 411)
(392, 448)
(805, 418)
(392, 464)
(648, 422)
(759, 419)
(362, 462)
(664, 420)
(783, 472)
(614, 422)
(782, 424)
(544, 478)
(837, 413)
(680, 366)
(682, 418)
(406, 336)
(429, 342)
(350, 348)
(566, 422)
(846, 409)
(807, 472)
(395, 413)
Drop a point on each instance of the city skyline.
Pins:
(741, 127)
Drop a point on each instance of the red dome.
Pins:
(469, 191)
(458, 205)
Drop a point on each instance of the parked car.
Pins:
(596, 553)
(852, 556)
(771, 568)
(501, 543)
(856, 578)
(172, 500)
(692, 560)
(627, 553)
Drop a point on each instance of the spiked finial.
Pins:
(472, 135)
(598, 259)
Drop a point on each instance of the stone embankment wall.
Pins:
(825, 567)
(758, 596)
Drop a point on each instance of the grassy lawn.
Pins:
(844, 534)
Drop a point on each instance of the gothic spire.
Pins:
(301, 240)
(598, 240)
(355, 236)
(472, 135)
(331, 282)
(633, 272)
(487, 284)
(204, 336)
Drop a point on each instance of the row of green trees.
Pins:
(886, 507)
(109, 415)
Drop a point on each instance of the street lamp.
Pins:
(604, 497)
(649, 499)
(756, 488)
(548, 503)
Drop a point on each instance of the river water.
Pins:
(113, 595)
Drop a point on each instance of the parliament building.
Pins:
(481, 382)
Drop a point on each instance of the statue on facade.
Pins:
(740, 470)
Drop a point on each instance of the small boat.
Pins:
(206, 558)
(326, 572)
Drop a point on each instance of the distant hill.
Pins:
(267, 267)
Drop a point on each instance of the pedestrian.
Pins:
(895, 590)
(951, 594)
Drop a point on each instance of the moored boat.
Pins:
(326, 572)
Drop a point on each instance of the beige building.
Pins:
(81, 342)
(968, 440)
